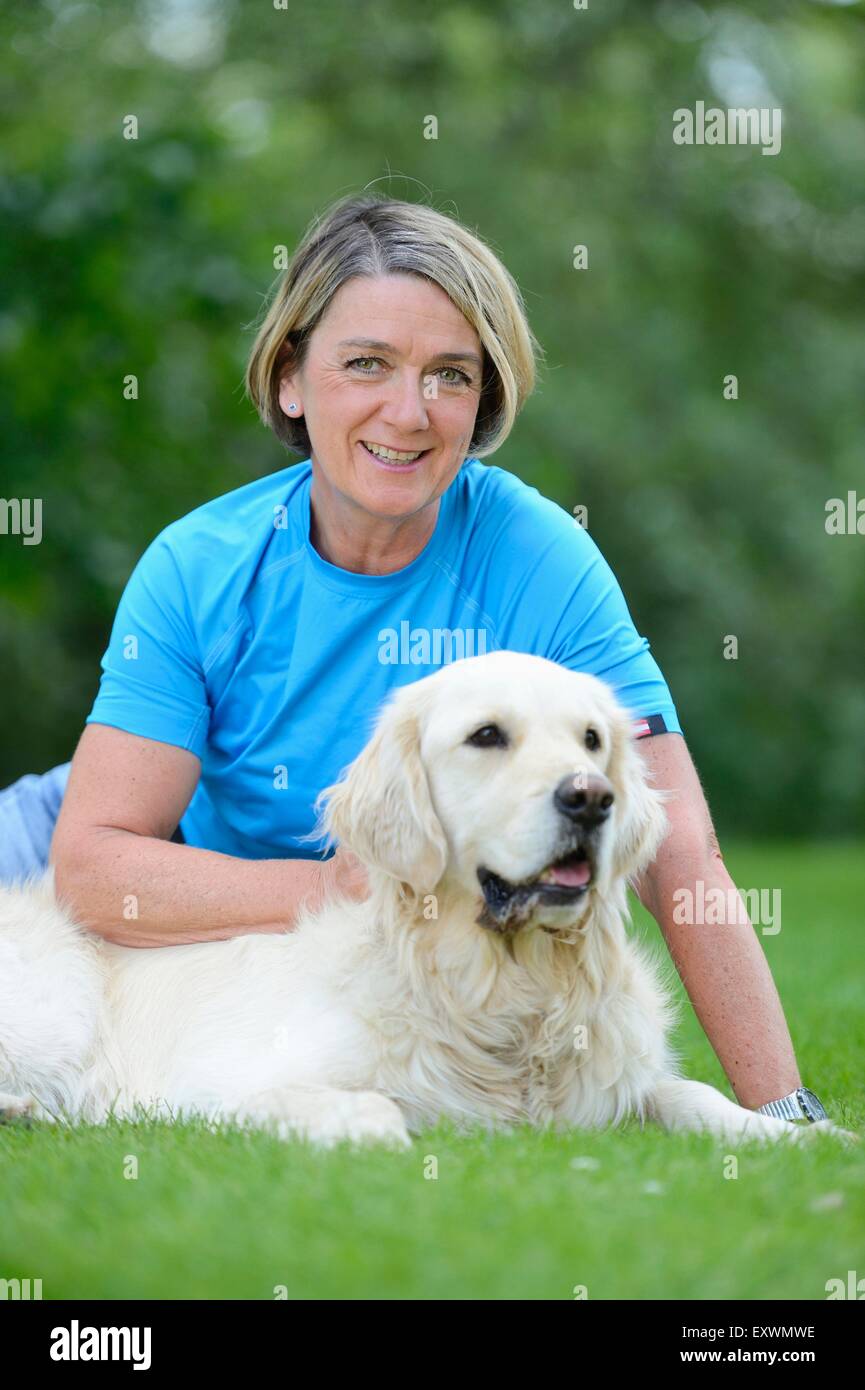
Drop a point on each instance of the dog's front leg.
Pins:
(324, 1115)
(692, 1105)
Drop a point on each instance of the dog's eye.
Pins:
(593, 742)
(489, 736)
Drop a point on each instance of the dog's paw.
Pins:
(816, 1132)
(327, 1116)
(845, 1136)
(21, 1110)
(362, 1117)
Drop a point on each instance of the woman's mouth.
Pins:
(394, 460)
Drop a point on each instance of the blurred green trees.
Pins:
(151, 257)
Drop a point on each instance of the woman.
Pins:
(258, 635)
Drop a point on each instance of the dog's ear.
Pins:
(381, 808)
(641, 822)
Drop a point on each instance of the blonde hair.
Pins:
(374, 235)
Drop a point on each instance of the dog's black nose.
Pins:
(586, 800)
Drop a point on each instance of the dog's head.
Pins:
(508, 778)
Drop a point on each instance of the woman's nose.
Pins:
(404, 406)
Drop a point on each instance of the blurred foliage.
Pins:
(555, 128)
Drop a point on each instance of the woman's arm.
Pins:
(115, 866)
(723, 968)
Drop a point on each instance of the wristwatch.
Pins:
(799, 1105)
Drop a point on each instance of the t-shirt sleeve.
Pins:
(568, 606)
(596, 633)
(152, 679)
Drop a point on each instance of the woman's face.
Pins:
(394, 364)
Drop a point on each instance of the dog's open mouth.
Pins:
(573, 870)
(563, 881)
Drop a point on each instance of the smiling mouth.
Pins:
(393, 458)
(508, 905)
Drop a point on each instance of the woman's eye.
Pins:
(459, 377)
(592, 741)
(488, 736)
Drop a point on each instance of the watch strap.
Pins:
(801, 1104)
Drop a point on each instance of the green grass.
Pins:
(231, 1215)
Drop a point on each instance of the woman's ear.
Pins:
(289, 400)
(641, 822)
(381, 807)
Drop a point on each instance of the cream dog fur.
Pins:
(475, 983)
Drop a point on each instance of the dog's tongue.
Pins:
(572, 875)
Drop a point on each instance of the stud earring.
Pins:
(293, 406)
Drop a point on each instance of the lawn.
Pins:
(629, 1214)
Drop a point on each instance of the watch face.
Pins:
(810, 1104)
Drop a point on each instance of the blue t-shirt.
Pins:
(236, 640)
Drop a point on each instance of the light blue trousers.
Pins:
(28, 811)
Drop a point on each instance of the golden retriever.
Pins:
(500, 809)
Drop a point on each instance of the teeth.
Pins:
(391, 455)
